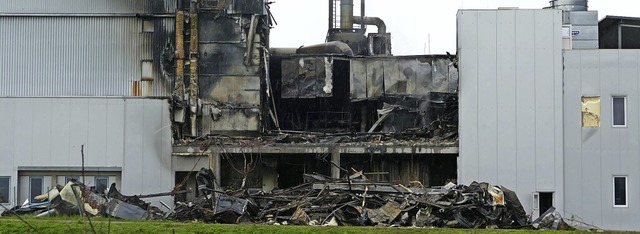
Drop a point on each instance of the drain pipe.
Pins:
(382, 27)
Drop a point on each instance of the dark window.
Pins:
(619, 112)
(35, 186)
(101, 183)
(4, 189)
(67, 179)
(620, 191)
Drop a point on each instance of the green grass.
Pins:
(101, 225)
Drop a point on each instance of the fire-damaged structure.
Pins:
(265, 116)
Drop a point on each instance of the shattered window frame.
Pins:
(591, 111)
(31, 187)
(8, 190)
(68, 179)
(98, 178)
(626, 192)
(613, 111)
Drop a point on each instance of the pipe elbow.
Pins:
(376, 21)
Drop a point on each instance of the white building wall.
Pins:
(594, 155)
(46, 134)
(511, 100)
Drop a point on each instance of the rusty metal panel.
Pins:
(82, 56)
(88, 6)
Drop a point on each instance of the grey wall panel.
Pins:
(88, 6)
(131, 133)
(80, 56)
(506, 104)
(487, 99)
(510, 77)
(468, 102)
(594, 155)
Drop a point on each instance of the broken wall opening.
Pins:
(269, 171)
(429, 170)
(187, 180)
(311, 94)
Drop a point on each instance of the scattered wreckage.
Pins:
(320, 201)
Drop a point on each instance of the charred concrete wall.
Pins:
(510, 101)
(220, 67)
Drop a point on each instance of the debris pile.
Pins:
(358, 202)
(320, 201)
(75, 198)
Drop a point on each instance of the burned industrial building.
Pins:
(188, 105)
(265, 116)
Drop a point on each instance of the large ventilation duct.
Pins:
(346, 14)
(382, 27)
(570, 5)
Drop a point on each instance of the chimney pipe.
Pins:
(570, 5)
(346, 14)
(382, 27)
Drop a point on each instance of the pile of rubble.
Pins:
(354, 201)
(75, 199)
(320, 201)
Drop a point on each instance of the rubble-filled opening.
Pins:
(185, 181)
(269, 171)
(546, 201)
(428, 170)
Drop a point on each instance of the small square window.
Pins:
(36, 184)
(619, 111)
(147, 26)
(591, 111)
(4, 189)
(620, 191)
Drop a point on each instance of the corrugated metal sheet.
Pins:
(594, 155)
(88, 6)
(81, 56)
(511, 100)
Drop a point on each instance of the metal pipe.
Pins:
(382, 27)
(334, 47)
(346, 14)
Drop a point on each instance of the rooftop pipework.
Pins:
(570, 5)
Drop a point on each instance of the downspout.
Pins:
(193, 67)
(382, 27)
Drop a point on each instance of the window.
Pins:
(619, 111)
(68, 179)
(35, 186)
(102, 183)
(620, 191)
(591, 111)
(4, 189)
(147, 26)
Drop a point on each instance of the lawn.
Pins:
(103, 225)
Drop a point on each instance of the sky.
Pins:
(412, 23)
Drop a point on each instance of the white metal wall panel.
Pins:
(80, 56)
(510, 100)
(131, 133)
(88, 6)
(594, 155)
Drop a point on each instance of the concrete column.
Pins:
(214, 165)
(335, 158)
